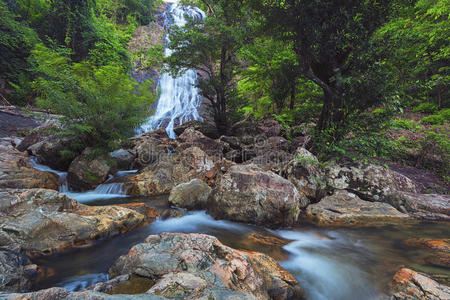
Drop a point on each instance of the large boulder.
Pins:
(408, 284)
(370, 182)
(345, 209)
(246, 193)
(269, 127)
(87, 171)
(191, 137)
(422, 206)
(16, 170)
(123, 158)
(190, 195)
(171, 170)
(198, 266)
(16, 272)
(305, 172)
(40, 221)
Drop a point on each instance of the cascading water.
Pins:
(179, 99)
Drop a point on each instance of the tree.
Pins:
(210, 46)
(415, 44)
(100, 105)
(331, 40)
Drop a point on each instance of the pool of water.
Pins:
(329, 263)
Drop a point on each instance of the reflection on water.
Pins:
(347, 263)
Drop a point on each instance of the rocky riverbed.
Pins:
(271, 222)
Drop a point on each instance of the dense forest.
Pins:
(347, 72)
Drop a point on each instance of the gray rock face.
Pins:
(305, 173)
(16, 170)
(39, 221)
(422, 206)
(369, 182)
(16, 271)
(123, 158)
(346, 209)
(248, 194)
(85, 172)
(408, 284)
(198, 266)
(190, 195)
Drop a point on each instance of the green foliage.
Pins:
(433, 120)
(100, 105)
(445, 113)
(426, 107)
(403, 124)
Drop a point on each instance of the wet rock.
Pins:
(16, 272)
(171, 213)
(123, 158)
(57, 293)
(190, 195)
(147, 211)
(344, 208)
(249, 194)
(305, 172)
(153, 180)
(408, 285)
(442, 245)
(198, 266)
(48, 148)
(40, 221)
(16, 170)
(148, 150)
(87, 171)
(422, 206)
(439, 259)
(369, 182)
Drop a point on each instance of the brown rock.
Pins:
(408, 285)
(248, 194)
(194, 266)
(16, 272)
(87, 172)
(442, 245)
(40, 221)
(191, 137)
(16, 170)
(345, 209)
(190, 195)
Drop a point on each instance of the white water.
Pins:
(179, 99)
(102, 192)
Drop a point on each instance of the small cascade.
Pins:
(108, 190)
(179, 99)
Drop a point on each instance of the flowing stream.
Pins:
(179, 99)
(340, 263)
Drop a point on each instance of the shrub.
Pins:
(426, 107)
(100, 105)
(445, 113)
(433, 120)
(403, 124)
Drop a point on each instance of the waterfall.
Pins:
(179, 99)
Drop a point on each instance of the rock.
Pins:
(408, 285)
(422, 206)
(248, 194)
(190, 195)
(198, 266)
(16, 170)
(277, 143)
(147, 151)
(232, 141)
(269, 127)
(40, 221)
(191, 137)
(171, 170)
(86, 172)
(48, 148)
(58, 293)
(345, 209)
(369, 182)
(123, 158)
(147, 211)
(305, 172)
(272, 160)
(16, 272)
(442, 245)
